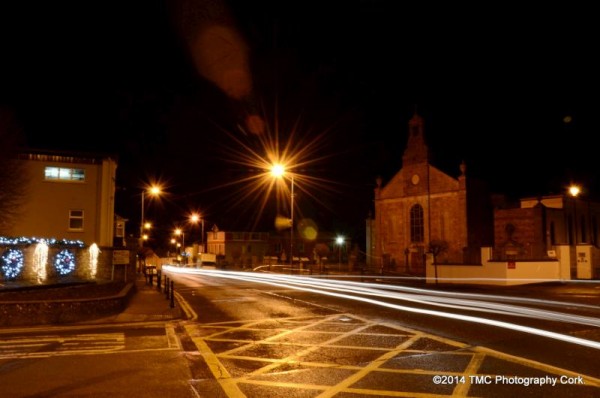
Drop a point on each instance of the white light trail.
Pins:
(334, 287)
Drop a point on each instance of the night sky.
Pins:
(511, 90)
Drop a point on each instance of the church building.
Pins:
(422, 209)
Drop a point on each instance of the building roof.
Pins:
(51, 155)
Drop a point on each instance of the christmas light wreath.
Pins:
(64, 262)
(12, 263)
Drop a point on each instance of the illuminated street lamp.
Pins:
(178, 232)
(194, 218)
(340, 241)
(278, 171)
(155, 191)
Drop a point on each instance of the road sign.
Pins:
(121, 257)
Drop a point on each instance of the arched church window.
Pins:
(417, 224)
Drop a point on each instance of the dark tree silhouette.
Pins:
(13, 177)
(437, 247)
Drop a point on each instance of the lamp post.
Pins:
(154, 190)
(194, 218)
(340, 241)
(574, 190)
(178, 232)
(278, 170)
(292, 221)
(174, 243)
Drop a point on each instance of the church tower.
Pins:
(416, 149)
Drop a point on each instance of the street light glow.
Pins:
(155, 190)
(574, 190)
(278, 170)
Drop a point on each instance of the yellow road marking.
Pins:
(219, 371)
(232, 385)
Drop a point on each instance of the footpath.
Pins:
(148, 303)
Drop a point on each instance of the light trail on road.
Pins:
(357, 291)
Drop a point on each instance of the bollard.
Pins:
(158, 280)
(172, 296)
(166, 287)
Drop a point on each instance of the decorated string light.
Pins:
(6, 241)
(64, 262)
(12, 263)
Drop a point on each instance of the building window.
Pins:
(417, 224)
(76, 220)
(120, 229)
(63, 174)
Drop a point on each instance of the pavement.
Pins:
(147, 304)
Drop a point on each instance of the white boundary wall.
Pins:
(502, 272)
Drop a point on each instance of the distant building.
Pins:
(245, 249)
(422, 208)
(536, 229)
(250, 249)
(120, 228)
(69, 196)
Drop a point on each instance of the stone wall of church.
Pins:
(447, 225)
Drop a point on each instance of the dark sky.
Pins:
(512, 90)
